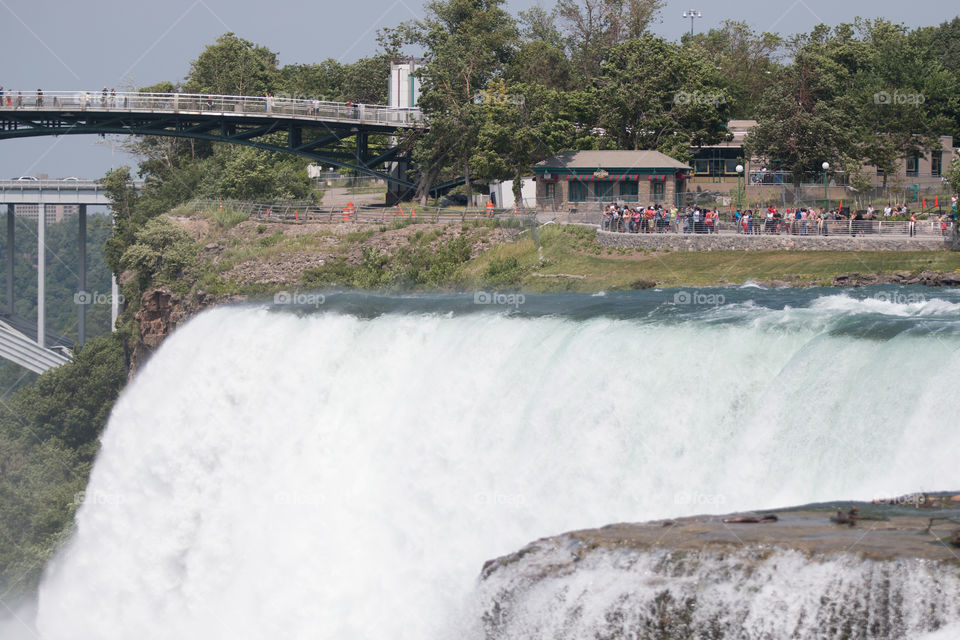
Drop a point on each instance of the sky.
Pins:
(65, 45)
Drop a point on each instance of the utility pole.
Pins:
(692, 14)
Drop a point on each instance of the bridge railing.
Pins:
(194, 103)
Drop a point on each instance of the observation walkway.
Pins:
(314, 129)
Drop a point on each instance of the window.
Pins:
(936, 162)
(629, 190)
(913, 162)
(656, 190)
(603, 190)
(550, 191)
(578, 191)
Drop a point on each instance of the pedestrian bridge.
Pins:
(55, 192)
(314, 129)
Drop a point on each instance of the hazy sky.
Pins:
(91, 43)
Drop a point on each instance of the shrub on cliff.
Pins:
(161, 254)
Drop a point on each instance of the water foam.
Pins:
(326, 476)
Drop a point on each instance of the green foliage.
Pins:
(867, 91)
(953, 175)
(233, 67)
(417, 266)
(62, 279)
(161, 254)
(48, 439)
(246, 173)
(659, 96)
(228, 217)
(272, 239)
(359, 236)
(502, 272)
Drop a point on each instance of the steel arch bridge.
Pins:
(318, 130)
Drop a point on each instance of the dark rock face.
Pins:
(161, 311)
(926, 278)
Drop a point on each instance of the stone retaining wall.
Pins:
(736, 242)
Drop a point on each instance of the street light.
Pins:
(739, 178)
(692, 14)
(826, 166)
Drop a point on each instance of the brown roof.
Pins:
(628, 160)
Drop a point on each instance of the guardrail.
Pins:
(301, 212)
(201, 104)
(839, 228)
(59, 185)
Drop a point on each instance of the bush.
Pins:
(503, 272)
(228, 217)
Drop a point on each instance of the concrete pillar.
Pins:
(41, 274)
(11, 246)
(114, 302)
(82, 303)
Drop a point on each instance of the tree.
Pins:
(365, 81)
(235, 67)
(953, 175)
(524, 124)
(593, 26)
(808, 117)
(467, 43)
(746, 61)
(246, 173)
(323, 81)
(127, 218)
(161, 253)
(653, 95)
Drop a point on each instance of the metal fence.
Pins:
(209, 104)
(408, 213)
(840, 228)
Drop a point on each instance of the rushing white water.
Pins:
(741, 594)
(344, 476)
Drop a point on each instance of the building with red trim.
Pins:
(644, 177)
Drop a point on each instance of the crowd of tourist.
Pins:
(801, 221)
(659, 219)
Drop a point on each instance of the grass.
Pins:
(571, 251)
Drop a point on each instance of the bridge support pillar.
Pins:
(82, 265)
(398, 192)
(11, 246)
(41, 274)
(114, 302)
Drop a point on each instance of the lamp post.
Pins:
(826, 166)
(739, 178)
(692, 14)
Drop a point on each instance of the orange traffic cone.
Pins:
(413, 211)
